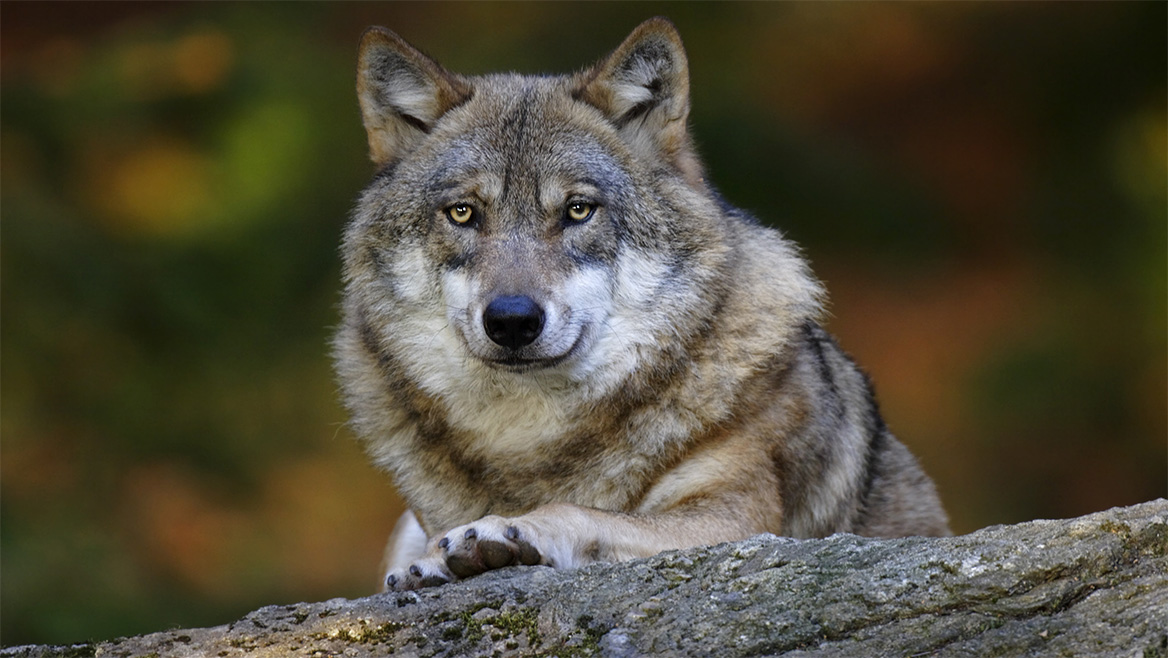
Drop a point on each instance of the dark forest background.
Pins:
(981, 186)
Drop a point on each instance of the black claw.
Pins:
(470, 534)
(443, 543)
(415, 571)
(511, 533)
(390, 580)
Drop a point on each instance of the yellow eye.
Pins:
(578, 211)
(460, 213)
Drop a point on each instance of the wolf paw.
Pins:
(428, 571)
(492, 542)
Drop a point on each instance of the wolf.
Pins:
(565, 347)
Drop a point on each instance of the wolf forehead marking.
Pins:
(501, 169)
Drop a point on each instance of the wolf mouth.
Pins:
(515, 363)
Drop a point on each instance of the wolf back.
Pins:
(564, 346)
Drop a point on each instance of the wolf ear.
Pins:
(643, 89)
(402, 93)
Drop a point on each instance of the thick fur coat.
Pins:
(564, 346)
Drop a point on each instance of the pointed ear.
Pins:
(643, 89)
(402, 93)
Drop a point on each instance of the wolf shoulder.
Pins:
(843, 469)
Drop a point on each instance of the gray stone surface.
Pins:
(1092, 586)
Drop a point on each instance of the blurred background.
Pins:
(981, 186)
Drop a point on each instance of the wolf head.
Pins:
(518, 224)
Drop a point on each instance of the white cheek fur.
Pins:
(632, 321)
(510, 411)
(611, 317)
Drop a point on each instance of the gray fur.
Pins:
(680, 390)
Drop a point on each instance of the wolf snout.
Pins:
(513, 321)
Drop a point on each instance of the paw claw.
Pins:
(424, 573)
(490, 543)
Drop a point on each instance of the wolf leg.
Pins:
(406, 544)
(564, 536)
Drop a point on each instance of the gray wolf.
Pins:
(565, 347)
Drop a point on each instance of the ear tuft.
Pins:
(643, 89)
(402, 93)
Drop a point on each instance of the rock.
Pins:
(1092, 586)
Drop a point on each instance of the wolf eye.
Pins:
(460, 213)
(578, 211)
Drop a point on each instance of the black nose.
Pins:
(513, 321)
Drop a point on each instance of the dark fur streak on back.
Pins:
(877, 434)
(815, 337)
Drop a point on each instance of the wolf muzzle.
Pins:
(513, 321)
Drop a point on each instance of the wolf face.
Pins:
(565, 347)
(521, 217)
(522, 230)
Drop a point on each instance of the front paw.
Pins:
(492, 542)
(428, 571)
